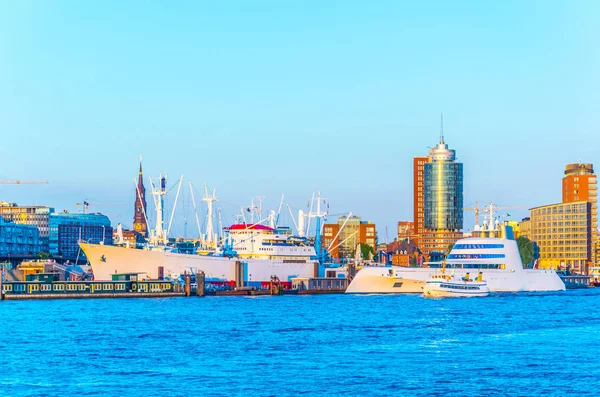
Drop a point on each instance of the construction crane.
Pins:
(20, 182)
(489, 210)
(86, 204)
(476, 209)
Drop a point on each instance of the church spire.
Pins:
(139, 217)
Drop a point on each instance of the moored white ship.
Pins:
(265, 253)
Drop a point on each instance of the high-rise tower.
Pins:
(580, 184)
(418, 192)
(139, 218)
(441, 220)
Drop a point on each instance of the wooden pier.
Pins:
(45, 286)
(92, 296)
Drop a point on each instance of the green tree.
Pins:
(44, 255)
(413, 261)
(525, 249)
(365, 250)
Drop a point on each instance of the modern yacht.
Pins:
(497, 259)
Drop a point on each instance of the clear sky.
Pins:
(270, 97)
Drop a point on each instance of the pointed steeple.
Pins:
(139, 218)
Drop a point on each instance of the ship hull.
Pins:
(394, 280)
(107, 260)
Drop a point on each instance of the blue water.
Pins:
(508, 344)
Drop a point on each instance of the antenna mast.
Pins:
(159, 232)
(210, 233)
(175, 205)
(442, 128)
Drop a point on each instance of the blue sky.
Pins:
(271, 97)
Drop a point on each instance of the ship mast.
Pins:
(159, 236)
(318, 215)
(210, 233)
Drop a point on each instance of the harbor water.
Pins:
(506, 344)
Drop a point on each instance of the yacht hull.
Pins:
(385, 280)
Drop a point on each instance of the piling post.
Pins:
(239, 274)
(188, 284)
(200, 281)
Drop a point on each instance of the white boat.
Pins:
(497, 259)
(264, 251)
(443, 285)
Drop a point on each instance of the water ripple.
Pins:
(507, 344)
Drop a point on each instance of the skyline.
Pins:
(88, 88)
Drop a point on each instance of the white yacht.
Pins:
(497, 259)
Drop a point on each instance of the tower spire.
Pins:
(442, 128)
(139, 218)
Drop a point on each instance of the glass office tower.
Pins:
(443, 195)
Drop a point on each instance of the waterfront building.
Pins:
(18, 240)
(130, 238)
(442, 199)
(34, 215)
(563, 233)
(405, 253)
(567, 233)
(406, 230)
(580, 184)
(67, 229)
(140, 213)
(525, 227)
(343, 241)
(418, 194)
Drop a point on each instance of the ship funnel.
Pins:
(508, 232)
(301, 223)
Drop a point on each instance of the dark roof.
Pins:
(403, 245)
